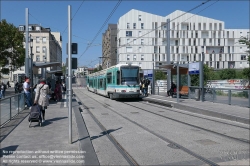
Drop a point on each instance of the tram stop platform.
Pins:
(223, 111)
(47, 145)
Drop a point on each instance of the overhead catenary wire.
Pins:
(105, 22)
(74, 15)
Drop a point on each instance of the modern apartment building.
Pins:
(109, 46)
(142, 40)
(47, 47)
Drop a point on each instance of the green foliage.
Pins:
(195, 78)
(160, 75)
(64, 70)
(11, 47)
(239, 74)
(228, 74)
(246, 73)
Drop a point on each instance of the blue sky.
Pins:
(92, 14)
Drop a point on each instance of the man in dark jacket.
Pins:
(146, 82)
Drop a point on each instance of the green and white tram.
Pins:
(119, 81)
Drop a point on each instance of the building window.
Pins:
(44, 58)
(240, 49)
(243, 57)
(44, 39)
(37, 49)
(38, 28)
(134, 25)
(128, 26)
(140, 64)
(139, 33)
(140, 49)
(128, 33)
(142, 57)
(134, 41)
(38, 58)
(128, 57)
(44, 49)
(139, 18)
(30, 28)
(128, 49)
(37, 39)
(142, 25)
(128, 40)
(142, 41)
(21, 28)
(115, 38)
(134, 58)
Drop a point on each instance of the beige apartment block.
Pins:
(47, 47)
(109, 46)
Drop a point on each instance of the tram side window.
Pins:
(118, 78)
(109, 78)
(101, 83)
(90, 83)
(104, 84)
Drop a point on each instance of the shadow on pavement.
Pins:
(104, 133)
(8, 150)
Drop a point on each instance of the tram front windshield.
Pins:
(129, 75)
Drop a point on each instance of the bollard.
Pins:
(229, 97)
(158, 90)
(10, 108)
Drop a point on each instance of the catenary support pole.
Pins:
(201, 77)
(70, 73)
(27, 42)
(168, 54)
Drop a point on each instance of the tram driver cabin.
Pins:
(119, 81)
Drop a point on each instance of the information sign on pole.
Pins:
(194, 68)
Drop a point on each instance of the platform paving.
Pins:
(219, 110)
(47, 145)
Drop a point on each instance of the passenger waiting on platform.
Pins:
(171, 90)
(41, 98)
(58, 91)
(26, 89)
(146, 82)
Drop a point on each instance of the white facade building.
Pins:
(142, 40)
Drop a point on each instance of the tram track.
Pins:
(171, 142)
(191, 125)
(118, 146)
(165, 108)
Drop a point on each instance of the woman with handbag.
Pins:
(41, 98)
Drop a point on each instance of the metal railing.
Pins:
(239, 97)
(228, 96)
(11, 106)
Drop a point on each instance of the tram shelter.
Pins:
(180, 76)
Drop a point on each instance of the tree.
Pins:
(246, 71)
(12, 52)
(195, 78)
(160, 75)
(226, 74)
(64, 70)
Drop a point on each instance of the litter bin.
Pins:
(197, 94)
